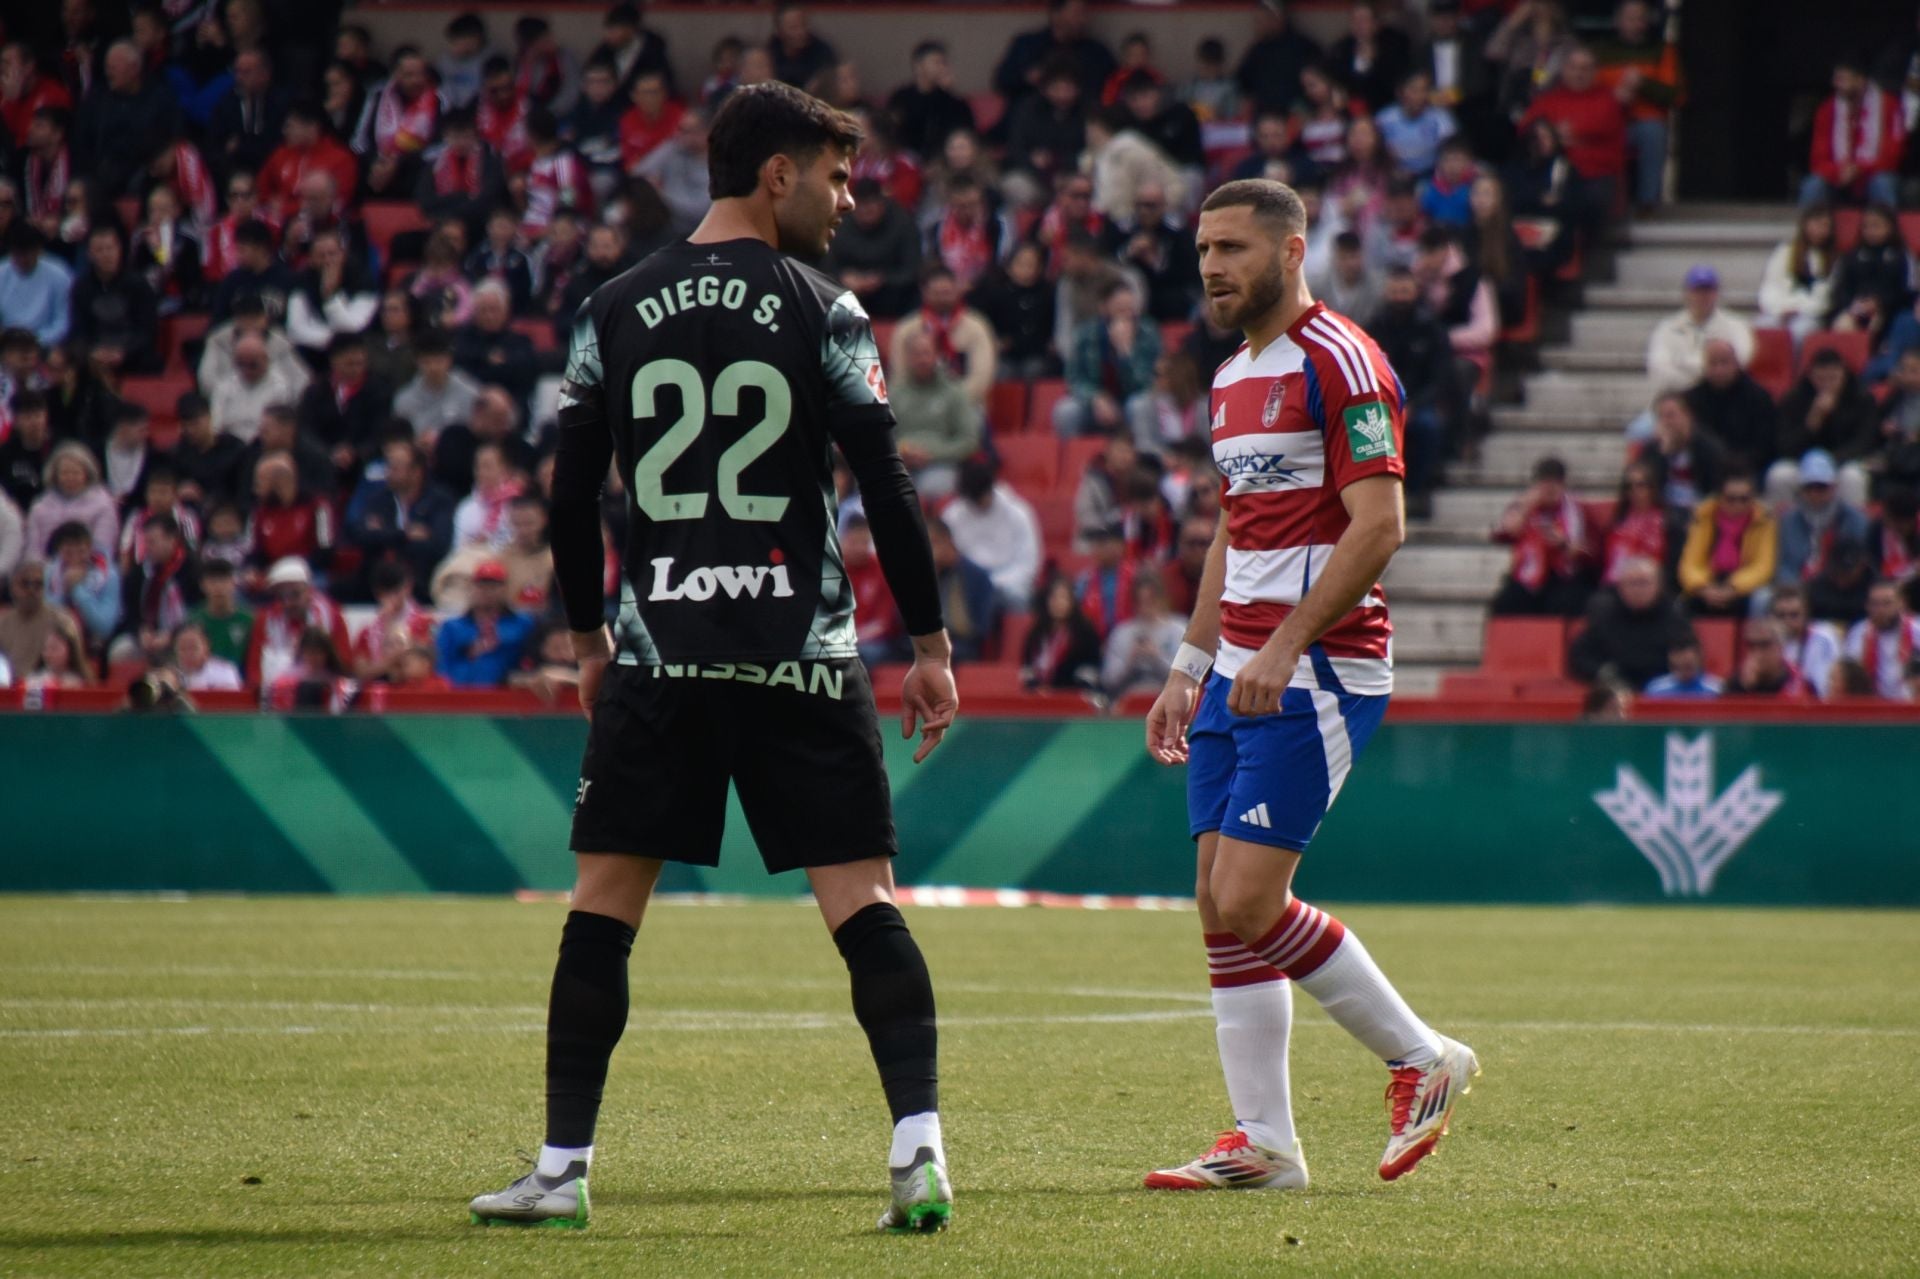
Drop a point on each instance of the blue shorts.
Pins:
(1270, 779)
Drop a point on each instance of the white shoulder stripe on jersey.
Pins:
(1357, 366)
(1346, 333)
(1340, 357)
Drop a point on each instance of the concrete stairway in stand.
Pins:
(1574, 407)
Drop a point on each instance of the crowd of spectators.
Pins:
(361, 426)
(1775, 477)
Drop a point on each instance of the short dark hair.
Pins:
(1899, 503)
(24, 237)
(1550, 468)
(466, 24)
(1347, 242)
(305, 110)
(622, 15)
(162, 521)
(127, 411)
(760, 121)
(1211, 50)
(496, 64)
(926, 47)
(432, 342)
(71, 531)
(1271, 201)
(213, 569)
(159, 473)
(387, 575)
(29, 402)
(191, 404)
(254, 232)
(1826, 356)
(343, 344)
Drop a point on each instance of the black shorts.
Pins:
(799, 741)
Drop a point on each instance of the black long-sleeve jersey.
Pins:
(720, 375)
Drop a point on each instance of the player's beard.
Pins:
(805, 231)
(1240, 310)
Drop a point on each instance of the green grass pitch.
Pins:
(315, 1087)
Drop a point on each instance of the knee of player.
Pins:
(1247, 912)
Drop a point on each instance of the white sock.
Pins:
(1252, 1024)
(1358, 996)
(555, 1160)
(913, 1132)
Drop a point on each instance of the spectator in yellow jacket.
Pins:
(1730, 552)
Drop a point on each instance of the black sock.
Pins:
(585, 1015)
(893, 999)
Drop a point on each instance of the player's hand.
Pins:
(1262, 682)
(1167, 721)
(592, 650)
(928, 697)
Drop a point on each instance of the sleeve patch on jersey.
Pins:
(1369, 431)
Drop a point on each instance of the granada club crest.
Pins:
(877, 382)
(1271, 413)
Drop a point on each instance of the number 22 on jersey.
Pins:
(649, 473)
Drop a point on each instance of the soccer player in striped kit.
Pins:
(1291, 621)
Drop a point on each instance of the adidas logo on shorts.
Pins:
(1257, 816)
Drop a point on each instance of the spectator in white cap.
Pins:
(1817, 521)
(1883, 642)
(1676, 352)
(275, 645)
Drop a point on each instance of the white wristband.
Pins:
(1192, 662)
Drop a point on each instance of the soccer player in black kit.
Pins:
(718, 375)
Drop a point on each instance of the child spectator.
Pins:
(26, 450)
(439, 285)
(1731, 551)
(460, 64)
(161, 493)
(1212, 93)
(1883, 641)
(201, 671)
(226, 536)
(1874, 281)
(480, 647)
(556, 179)
(1686, 675)
(226, 622)
(1796, 289)
(82, 578)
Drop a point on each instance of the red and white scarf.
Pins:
(459, 172)
(400, 126)
(1896, 555)
(1857, 127)
(47, 183)
(554, 182)
(505, 131)
(940, 329)
(965, 251)
(194, 185)
(1534, 558)
(1873, 643)
(1638, 535)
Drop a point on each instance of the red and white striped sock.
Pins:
(1253, 1017)
(1329, 963)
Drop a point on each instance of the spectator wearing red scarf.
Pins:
(1893, 540)
(961, 337)
(1062, 651)
(1072, 210)
(1731, 550)
(1643, 525)
(47, 170)
(1858, 134)
(544, 74)
(179, 164)
(405, 118)
(157, 592)
(1105, 588)
(465, 178)
(897, 172)
(277, 628)
(1764, 668)
(877, 626)
(1884, 641)
(968, 238)
(1547, 531)
(221, 249)
(501, 115)
(556, 177)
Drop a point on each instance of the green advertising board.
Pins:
(1736, 813)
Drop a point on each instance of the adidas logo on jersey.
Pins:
(702, 583)
(1257, 816)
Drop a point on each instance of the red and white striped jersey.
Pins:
(1316, 410)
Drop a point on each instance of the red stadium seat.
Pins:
(1854, 348)
(176, 331)
(988, 679)
(157, 395)
(1013, 637)
(1846, 228)
(538, 331)
(987, 109)
(1910, 229)
(163, 433)
(1477, 686)
(1772, 365)
(385, 219)
(1173, 333)
(1046, 392)
(1075, 454)
(1717, 636)
(1526, 331)
(1056, 521)
(1525, 647)
(1030, 462)
(1007, 407)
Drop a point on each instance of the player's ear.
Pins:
(1293, 252)
(778, 175)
